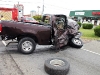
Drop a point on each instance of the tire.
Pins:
(56, 68)
(26, 45)
(76, 43)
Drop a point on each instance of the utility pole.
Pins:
(43, 8)
(38, 9)
(18, 10)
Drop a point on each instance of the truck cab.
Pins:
(51, 19)
(58, 24)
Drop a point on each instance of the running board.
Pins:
(10, 43)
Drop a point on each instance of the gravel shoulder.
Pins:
(7, 64)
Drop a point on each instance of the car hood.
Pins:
(73, 24)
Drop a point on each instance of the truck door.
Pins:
(60, 34)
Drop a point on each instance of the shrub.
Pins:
(80, 24)
(37, 17)
(87, 26)
(97, 31)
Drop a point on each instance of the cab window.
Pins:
(60, 23)
(46, 20)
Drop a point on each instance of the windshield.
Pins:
(29, 18)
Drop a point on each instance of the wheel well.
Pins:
(19, 37)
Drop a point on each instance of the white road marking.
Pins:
(90, 51)
(4, 43)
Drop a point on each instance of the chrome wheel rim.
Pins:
(57, 62)
(77, 42)
(27, 46)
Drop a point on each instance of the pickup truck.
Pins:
(53, 30)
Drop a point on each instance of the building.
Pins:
(20, 8)
(92, 16)
(32, 13)
(28, 15)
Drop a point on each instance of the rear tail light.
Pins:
(0, 27)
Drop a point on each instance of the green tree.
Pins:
(37, 17)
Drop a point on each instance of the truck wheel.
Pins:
(26, 45)
(56, 66)
(76, 42)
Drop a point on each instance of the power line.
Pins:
(6, 4)
(35, 3)
(44, 5)
(6, 1)
(43, 8)
(18, 1)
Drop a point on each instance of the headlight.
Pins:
(78, 35)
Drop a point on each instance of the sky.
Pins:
(53, 6)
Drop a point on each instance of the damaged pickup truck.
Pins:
(54, 30)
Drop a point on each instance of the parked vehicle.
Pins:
(28, 20)
(53, 30)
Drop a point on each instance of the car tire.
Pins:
(26, 45)
(76, 43)
(56, 66)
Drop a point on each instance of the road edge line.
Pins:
(90, 51)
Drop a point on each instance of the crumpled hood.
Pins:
(73, 24)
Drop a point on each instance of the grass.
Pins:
(89, 34)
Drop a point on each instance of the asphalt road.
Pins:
(85, 61)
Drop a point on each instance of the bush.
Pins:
(87, 26)
(37, 17)
(80, 24)
(97, 31)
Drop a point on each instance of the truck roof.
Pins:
(54, 14)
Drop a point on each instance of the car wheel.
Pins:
(26, 45)
(76, 42)
(56, 66)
